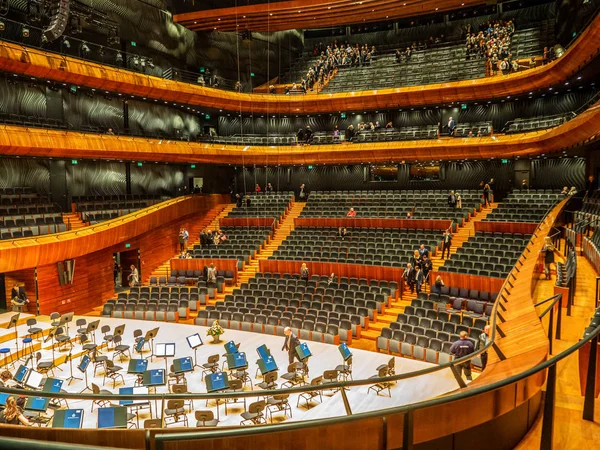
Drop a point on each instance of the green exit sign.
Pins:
(74, 162)
(127, 245)
(310, 167)
(251, 74)
(463, 106)
(139, 164)
(207, 116)
(202, 69)
(133, 44)
(193, 166)
(505, 161)
(343, 115)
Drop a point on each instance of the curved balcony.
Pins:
(36, 63)
(51, 143)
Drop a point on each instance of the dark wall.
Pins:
(96, 178)
(498, 113)
(25, 172)
(157, 179)
(544, 174)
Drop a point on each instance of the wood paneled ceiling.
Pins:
(310, 14)
(60, 144)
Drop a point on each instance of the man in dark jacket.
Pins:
(409, 277)
(463, 347)
(350, 133)
(290, 344)
(446, 242)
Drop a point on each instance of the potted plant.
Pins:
(215, 331)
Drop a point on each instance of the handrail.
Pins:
(216, 434)
(32, 444)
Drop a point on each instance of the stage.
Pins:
(325, 357)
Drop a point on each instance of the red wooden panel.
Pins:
(506, 227)
(373, 223)
(460, 280)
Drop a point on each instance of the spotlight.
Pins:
(143, 63)
(25, 32)
(150, 63)
(136, 61)
(66, 42)
(1, 26)
(119, 57)
(85, 49)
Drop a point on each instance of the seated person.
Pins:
(18, 296)
(6, 380)
(12, 414)
(437, 286)
(331, 279)
(351, 213)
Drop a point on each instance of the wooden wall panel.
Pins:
(460, 280)
(247, 222)
(506, 227)
(39, 251)
(374, 223)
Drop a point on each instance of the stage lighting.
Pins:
(150, 63)
(143, 63)
(85, 49)
(119, 57)
(1, 26)
(66, 42)
(136, 61)
(25, 32)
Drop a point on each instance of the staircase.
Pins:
(73, 221)
(397, 306)
(210, 221)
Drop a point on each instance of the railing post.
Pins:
(596, 298)
(550, 325)
(407, 434)
(559, 318)
(590, 387)
(548, 420)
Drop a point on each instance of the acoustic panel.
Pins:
(96, 178)
(158, 179)
(25, 172)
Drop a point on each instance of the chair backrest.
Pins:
(256, 407)
(204, 416)
(95, 389)
(105, 329)
(330, 374)
(271, 377)
(174, 404)
(235, 385)
(31, 322)
(316, 381)
(213, 359)
(181, 388)
(152, 423)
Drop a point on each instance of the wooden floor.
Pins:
(324, 357)
(570, 432)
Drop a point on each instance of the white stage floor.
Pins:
(325, 357)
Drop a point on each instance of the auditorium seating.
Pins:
(316, 309)
(537, 123)
(24, 213)
(264, 205)
(487, 254)
(425, 204)
(524, 206)
(384, 247)
(95, 209)
(589, 214)
(429, 326)
(242, 243)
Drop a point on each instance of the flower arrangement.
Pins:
(215, 330)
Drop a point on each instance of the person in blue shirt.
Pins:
(463, 347)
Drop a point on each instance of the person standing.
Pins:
(446, 242)
(451, 200)
(486, 195)
(238, 200)
(492, 185)
(211, 274)
(460, 348)
(181, 240)
(423, 251)
(269, 188)
(484, 339)
(134, 276)
(248, 201)
(590, 186)
(451, 126)
(257, 189)
(548, 251)
(438, 285)
(186, 237)
(304, 272)
(302, 194)
(116, 270)
(409, 277)
(419, 278)
(290, 344)
(426, 266)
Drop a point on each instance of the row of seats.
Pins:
(524, 206)
(271, 205)
(241, 243)
(96, 217)
(89, 206)
(19, 232)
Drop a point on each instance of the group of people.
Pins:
(268, 188)
(418, 269)
(208, 238)
(183, 237)
(405, 55)
(454, 200)
(493, 43)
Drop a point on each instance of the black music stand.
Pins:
(50, 336)
(91, 329)
(65, 320)
(83, 366)
(14, 320)
(69, 359)
(195, 341)
(149, 338)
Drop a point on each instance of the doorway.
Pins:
(196, 185)
(124, 261)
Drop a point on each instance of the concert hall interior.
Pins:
(299, 224)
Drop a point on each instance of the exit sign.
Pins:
(251, 74)
(133, 44)
(127, 245)
(193, 166)
(74, 162)
(343, 115)
(463, 106)
(139, 164)
(505, 161)
(207, 116)
(202, 69)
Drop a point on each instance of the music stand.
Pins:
(91, 329)
(165, 350)
(149, 338)
(51, 334)
(69, 359)
(65, 320)
(83, 365)
(13, 323)
(195, 341)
